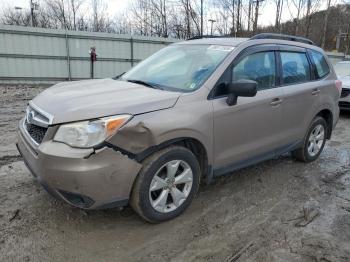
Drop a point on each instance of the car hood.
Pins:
(88, 99)
(345, 81)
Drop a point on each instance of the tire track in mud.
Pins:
(8, 159)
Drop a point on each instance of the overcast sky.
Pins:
(115, 6)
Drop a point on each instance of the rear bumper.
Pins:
(84, 178)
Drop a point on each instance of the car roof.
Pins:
(236, 41)
(228, 41)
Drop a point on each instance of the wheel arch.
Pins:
(193, 144)
(327, 115)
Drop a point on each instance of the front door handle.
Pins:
(315, 91)
(276, 102)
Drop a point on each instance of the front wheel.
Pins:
(314, 141)
(166, 184)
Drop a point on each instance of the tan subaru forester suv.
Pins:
(193, 111)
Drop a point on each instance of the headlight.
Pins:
(90, 133)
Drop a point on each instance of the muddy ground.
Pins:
(280, 210)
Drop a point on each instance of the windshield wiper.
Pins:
(145, 83)
(118, 76)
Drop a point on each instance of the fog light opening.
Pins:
(77, 199)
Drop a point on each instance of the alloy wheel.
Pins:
(171, 186)
(316, 140)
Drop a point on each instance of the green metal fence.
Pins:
(45, 55)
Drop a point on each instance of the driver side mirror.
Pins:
(244, 87)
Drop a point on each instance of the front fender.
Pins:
(151, 131)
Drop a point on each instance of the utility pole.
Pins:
(33, 6)
(212, 21)
(201, 18)
(32, 11)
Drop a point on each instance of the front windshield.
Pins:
(179, 67)
(342, 69)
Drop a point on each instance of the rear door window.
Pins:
(295, 68)
(320, 62)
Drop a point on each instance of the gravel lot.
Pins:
(280, 210)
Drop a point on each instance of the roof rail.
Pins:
(207, 36)
(283, 37)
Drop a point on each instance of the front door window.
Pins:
(259, 67)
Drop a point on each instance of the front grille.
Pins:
(37, 133)
(344, 92)
(344, 105)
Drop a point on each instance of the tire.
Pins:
(148, 201)
(303, 154)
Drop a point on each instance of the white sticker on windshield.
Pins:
(193, 85)
(221, 48)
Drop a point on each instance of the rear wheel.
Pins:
(166, 184)
(314, 141)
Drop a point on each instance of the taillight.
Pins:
(339, 85)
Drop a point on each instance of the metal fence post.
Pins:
(132, 51)
(68, 56)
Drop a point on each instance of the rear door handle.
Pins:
(315, 91)
(276, 102)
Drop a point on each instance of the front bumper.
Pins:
(344, 102)
(82, 177)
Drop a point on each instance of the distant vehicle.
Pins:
(342, 69)
(192, 111)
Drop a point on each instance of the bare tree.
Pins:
(186, 6)
(228, 8)
(347, 43)
(238, 17)
(323, 43)
(279, 9)
(141, 16)
(74, 7)
(312, 7)
(250, 14)
(15, 17)
(100, 20)
(299, 4)
(181, 18)
(123, 24)
(257, 5)
(57, 9)
(95, 5)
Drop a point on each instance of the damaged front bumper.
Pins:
(84, 178)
